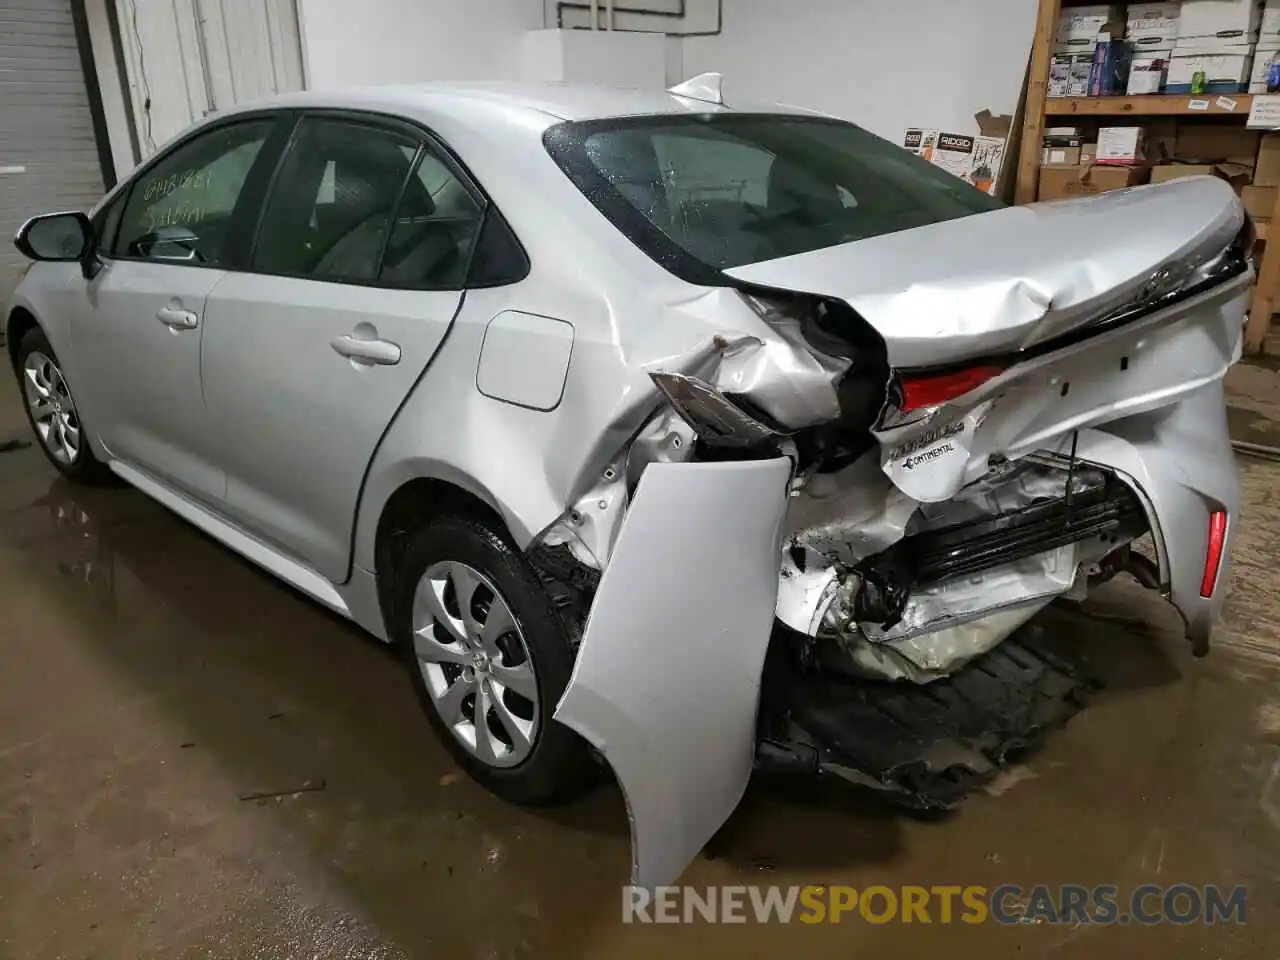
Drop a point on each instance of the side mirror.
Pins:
(61, 238)
(58, 237)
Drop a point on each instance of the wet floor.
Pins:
(150, 681)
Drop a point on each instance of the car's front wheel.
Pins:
(489, 658)
(52, 412)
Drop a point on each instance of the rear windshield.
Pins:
(703, 193)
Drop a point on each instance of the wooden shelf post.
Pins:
(1037, 92)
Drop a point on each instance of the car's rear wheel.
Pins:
(52, 412)
(489, 657)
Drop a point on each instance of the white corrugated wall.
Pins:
(186, 58)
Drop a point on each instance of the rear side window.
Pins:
(363, 204)
(435, 230)
(330, 212)
(705, 193)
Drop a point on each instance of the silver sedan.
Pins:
(654, 431)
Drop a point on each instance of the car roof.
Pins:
(549, 102)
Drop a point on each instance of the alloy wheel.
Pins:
(52, 410)
(475, 663)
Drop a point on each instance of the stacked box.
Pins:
(1216, 38)
(1268, 47)
(1152, 31)
(1078, 27)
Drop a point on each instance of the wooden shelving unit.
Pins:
(1040, 108)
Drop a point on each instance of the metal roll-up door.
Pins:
(48, 151)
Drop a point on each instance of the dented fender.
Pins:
(667, 679)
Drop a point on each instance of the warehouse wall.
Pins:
(186, 58)
(394, 41)
(886, 64)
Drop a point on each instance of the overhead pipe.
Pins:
(593, 6)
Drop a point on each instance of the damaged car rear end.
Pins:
(917, 419)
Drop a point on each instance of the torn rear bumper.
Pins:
(667, 680)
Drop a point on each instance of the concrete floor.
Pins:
(150, 679)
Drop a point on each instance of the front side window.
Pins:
(706, 193)
(181, 208)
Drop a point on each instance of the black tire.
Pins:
(559, 766)
(85, 468)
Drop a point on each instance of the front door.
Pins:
(139, 329)
(357, 274)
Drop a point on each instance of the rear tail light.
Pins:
(933, 391)
(1213, 552)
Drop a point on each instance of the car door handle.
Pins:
(177, 319)
(380, 352)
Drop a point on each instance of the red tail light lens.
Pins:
(921, 392)
(1213, 552)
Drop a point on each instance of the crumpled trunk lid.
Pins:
(1000, 282)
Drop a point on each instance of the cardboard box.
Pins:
(1223, 72)
(980, 159)
(1173, 171)
(1160, 138)
(1088, 153)
(1147, 74)
(1152, 46)
(1083, 24)
(1069, 74)
(1057, 183)
(1219, 18)
(1060, 157)
(1211, 143)
(1270, 26)
(1083, 48)
(1232, 173)
(989, 151)
(913, 140)
(1120, 146)
(1152, 21)
(953, 152)
(1258, 201)
(1213, 46)
(1266, 172)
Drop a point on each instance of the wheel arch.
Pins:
(414, 502)
(20, 322)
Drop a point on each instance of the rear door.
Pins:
(357, 273)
